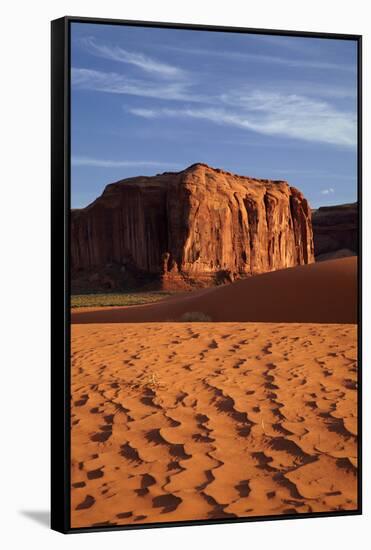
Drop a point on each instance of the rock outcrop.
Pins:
(335, 231)
(200, 226)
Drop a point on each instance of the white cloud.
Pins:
(328, 191)
(288, 42)
(263, 58)
(148, 113)
(104, 163)
(275, 112)
(314, 88)
(115, 83)
(144, 62)
(318, 174)
(292, 116)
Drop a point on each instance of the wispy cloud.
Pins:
(272, 111)
(116, 53)
(104, 163)
(264, 58)
(115, 83)
(286, 42)
(315, 174)
(328, 191)
(268, 113)
(314, 88)
(155, 113)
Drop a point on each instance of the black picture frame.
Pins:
(60, 269)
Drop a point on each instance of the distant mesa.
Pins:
(198, 227)
(335, 230)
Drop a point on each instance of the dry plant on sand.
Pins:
(195, 317)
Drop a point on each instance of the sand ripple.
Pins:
(181, 421)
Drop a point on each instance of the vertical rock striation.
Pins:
(198, 227)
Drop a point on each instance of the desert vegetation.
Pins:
(117, 299)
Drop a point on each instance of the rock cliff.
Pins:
(335, 231)
(200, 226)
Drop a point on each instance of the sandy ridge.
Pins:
(325, 292)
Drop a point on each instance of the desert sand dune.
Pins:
(182, 421)
(316, 293)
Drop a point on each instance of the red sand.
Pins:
(317, 293)
(185, 421)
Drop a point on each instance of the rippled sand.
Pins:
(181, 421)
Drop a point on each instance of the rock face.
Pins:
(201, 226)
(335, 231)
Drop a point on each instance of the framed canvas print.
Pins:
(206, 215)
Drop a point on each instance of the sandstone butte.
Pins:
(197, 227)
(335, 231)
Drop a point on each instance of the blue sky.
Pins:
(148, 100)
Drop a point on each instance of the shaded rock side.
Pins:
(335, 231)
(197, 227)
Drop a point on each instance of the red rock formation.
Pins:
(335, 231)
(199, 226)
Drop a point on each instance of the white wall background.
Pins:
(24, 271)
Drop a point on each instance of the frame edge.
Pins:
(59, 518)
(60, 383)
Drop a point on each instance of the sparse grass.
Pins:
(118, 299)
(195, 317)
(153, 381)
